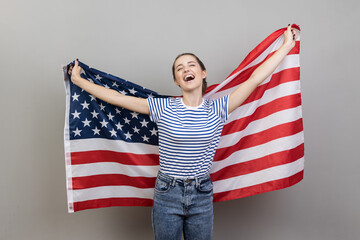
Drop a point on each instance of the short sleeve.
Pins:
(157, 107)
(221, 107)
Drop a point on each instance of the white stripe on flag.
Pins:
(112, 192)
(112, 145)
(82, 170)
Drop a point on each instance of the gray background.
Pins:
(138, 40)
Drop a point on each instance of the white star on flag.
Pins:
(113, 132)
(77, 132)
(85, 105)
(75, 97)
(144, 123)
(136, 130)
(117, 111)
(119, 126)
(102, 107)
(110, 116)
(132, 91)
(153, 132)
(86, 122)
(92, 97)
(76, 114)
(104, 123)
(145, 138)
(96, 131)
(134, 114)
(127, 121)
(128, 135)
(94, 114)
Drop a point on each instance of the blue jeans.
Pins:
(183, 205)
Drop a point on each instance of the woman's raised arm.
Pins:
(240, 94)
(113, 97)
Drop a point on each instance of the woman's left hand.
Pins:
(290, 37)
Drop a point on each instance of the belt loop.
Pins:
(173, 182)
(197, 183)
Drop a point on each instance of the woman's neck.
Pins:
(192, 100)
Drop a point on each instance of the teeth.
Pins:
(189, 77)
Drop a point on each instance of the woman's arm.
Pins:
(240, 94)
(135, 104)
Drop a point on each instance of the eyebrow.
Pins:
(183, 65)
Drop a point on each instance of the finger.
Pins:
(69, 68)
(76, 63)
(289, 27)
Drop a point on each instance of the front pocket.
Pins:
(161, 186)
(205, 186)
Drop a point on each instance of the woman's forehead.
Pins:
(185, 59)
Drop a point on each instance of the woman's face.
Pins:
(188, 73)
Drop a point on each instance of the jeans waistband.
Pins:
(173, 180)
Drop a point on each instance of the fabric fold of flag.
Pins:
(111, 153)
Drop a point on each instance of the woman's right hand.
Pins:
(75, 73)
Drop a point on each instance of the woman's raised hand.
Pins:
(290, 36)
(75, 72)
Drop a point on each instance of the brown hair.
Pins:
(204, 83)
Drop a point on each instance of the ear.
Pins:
(204, 74)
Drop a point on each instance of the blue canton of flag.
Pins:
(93, 118)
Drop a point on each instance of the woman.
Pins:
(189, 131)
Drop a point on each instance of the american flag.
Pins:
(111, 153)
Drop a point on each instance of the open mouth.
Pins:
(189, 77)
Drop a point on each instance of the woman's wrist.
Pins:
(287, 46)
(76, 79)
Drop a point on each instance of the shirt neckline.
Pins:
(189, 107)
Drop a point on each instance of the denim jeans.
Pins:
(183, 205)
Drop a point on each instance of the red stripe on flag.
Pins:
(260, 188)
(112, 202)
(282, 130)
(111, 156)
(112, 180)
(259, 164)
(209, 88)
(296, 49)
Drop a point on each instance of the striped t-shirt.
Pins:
(188, 136)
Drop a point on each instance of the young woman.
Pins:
(189, 131)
